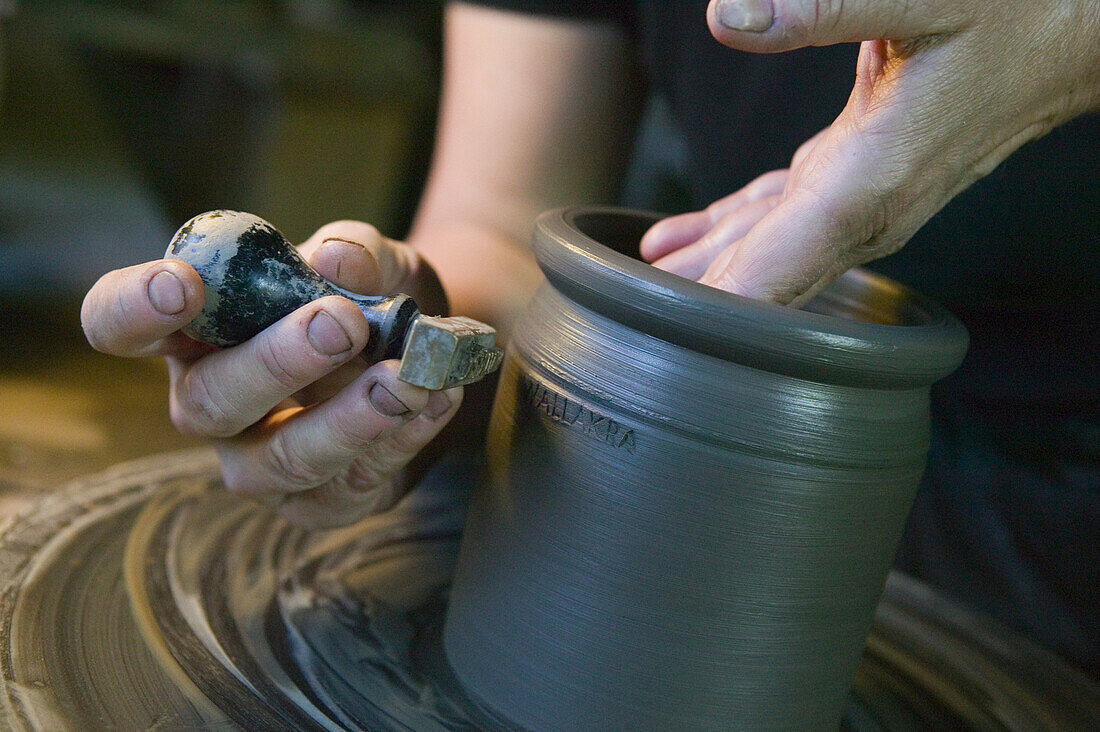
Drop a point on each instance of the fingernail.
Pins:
(166, 293)
(327, 335)
(385, 403)
(334, 244)
(351, 252)
(437, 406)
(745, 15)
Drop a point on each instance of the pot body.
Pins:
(679, 537)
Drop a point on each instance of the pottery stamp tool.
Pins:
(254, 277)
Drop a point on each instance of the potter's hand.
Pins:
(962, 86)
(298, 420)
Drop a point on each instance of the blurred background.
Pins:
(119, 120)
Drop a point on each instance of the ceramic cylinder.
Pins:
(691, 499)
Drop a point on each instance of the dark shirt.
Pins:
(1008, 518)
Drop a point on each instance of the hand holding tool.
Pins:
(254, 277)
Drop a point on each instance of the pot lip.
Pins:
(764, 335)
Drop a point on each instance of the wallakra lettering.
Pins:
(579, 417)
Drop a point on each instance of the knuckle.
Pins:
(364, 499)
(180, 420)
(368, 473)
(878, 246)
(282, 370)
(365, 473)
(876, 229)
(876, 218)
(827, 15)
(236, 480)
(405, 443)
(197, 409)
(716, 210)
(292, 469)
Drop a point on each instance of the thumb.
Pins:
(769, 26)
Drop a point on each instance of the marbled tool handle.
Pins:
(254, 277)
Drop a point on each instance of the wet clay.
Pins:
(147, 597)
(692, 499)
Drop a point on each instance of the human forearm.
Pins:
(487, 274)
(535, 113)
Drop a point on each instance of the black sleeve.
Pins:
(617, 11)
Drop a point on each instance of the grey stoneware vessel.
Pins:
(691, 499)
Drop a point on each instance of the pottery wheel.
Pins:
(146, 597)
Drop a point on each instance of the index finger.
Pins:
(137, 311)
(357, 257)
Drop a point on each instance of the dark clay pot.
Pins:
(691, 499)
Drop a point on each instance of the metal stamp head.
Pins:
(445, 352)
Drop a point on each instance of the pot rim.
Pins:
(916, 341)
